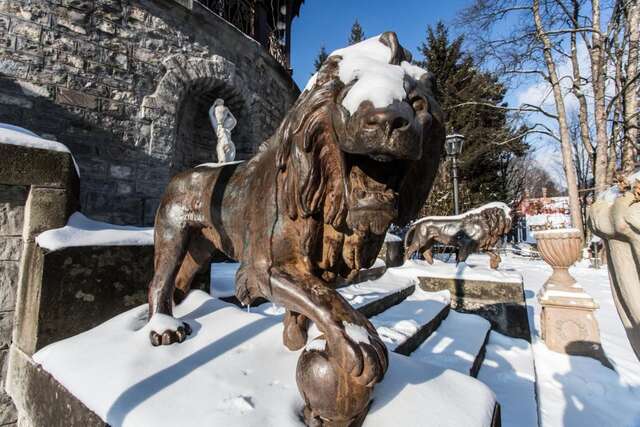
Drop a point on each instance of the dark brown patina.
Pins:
(313, 205)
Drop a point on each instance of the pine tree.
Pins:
(322, 56)
(485, 167)
(357, 35)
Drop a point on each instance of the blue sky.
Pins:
(329, 22)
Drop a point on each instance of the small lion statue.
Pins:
(476, 230)
(357, 151)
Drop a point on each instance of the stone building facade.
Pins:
(126, 85)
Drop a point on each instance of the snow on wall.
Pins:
(83, 231)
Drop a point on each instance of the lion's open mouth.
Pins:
(372, 188)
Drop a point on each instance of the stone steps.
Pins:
(406, 325)
(458, 344)
(224, 361)
(509, 372)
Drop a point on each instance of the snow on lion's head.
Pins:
(361, 146)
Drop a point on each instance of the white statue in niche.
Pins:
(223, 123)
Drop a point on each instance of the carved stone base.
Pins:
(569, 325)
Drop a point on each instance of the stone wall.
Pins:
(12, 202)
(126, 84)
(38, 191)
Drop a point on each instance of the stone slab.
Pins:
(32, 166)
(501, 303)
(82, 287)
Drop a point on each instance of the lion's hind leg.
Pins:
(199, 253)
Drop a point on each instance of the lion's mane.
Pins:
(310, 184)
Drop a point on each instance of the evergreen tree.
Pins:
(486, 168)
(322, 56)
(357, 35)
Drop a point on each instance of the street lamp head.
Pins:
(453, 144)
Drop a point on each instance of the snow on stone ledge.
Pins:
(15, 135)
(499, 205)
(82, 231)
(463, 270)
(234, 371)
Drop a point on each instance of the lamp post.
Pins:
(453, 146)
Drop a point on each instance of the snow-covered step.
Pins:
(218, 376)
(375, 296)
(370, 297)
(508, 370)
(458, 344)
(406, 325)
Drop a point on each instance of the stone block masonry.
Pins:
(126, 86)
(38, 191)
(12, 202)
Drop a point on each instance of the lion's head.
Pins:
(359, 149)
(495, 221)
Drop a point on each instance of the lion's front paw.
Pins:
(166, 330)
(359, 350)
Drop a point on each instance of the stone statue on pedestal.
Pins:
(223, 122)
(313, 205)
(479, 229)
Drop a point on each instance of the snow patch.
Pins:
(400, 322)
(82, 231)
(392, 238)
(367, 64)
(357, 333)
(469, 270)
(317, 344)
(160, 323)
(217, 165)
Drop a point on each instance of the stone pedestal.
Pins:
(568, 322)
(569, 325)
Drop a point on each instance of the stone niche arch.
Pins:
(180, 130)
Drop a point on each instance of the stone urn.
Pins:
(560, 249)
(568, 323)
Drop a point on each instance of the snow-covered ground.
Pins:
(224, 361)
(574, 390)
(234, 371)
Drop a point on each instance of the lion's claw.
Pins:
(169, 336)
(366, 362)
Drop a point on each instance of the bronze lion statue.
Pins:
(476, 230)
(313, 205)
